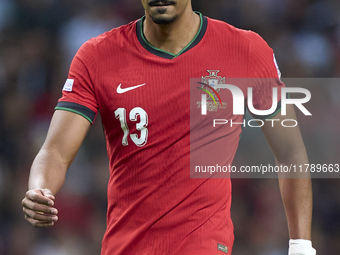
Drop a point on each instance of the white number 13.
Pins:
(120, 114)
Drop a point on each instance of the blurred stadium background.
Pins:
(38, 39)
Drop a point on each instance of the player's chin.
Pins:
(163, 19)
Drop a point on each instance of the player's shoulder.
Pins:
(237, 34)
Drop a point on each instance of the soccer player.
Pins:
(138, 76)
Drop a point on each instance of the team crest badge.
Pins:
(212, 80)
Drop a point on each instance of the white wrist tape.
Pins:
(301, 247)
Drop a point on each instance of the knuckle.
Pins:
(26, 204)
(34, 207)
(30, 215)
(34, 196)
(28, 193)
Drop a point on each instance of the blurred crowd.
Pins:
(38, 39)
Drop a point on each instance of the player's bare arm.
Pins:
(288, 148)
(66, 133)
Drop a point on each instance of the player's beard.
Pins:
(159, 18)
(163, 20)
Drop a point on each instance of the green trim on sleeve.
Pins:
(277, 110)
(274, 114)
(74, 111)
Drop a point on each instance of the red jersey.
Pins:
(143, 94)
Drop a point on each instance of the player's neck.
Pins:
(175, 36)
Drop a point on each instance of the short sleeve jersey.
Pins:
(143, 95)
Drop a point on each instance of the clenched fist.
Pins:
(38, 208)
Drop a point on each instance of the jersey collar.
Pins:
(164, 54)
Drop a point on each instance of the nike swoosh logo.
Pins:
(121, 90)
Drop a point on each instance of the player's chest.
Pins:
(157, 95)
(158, 85)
